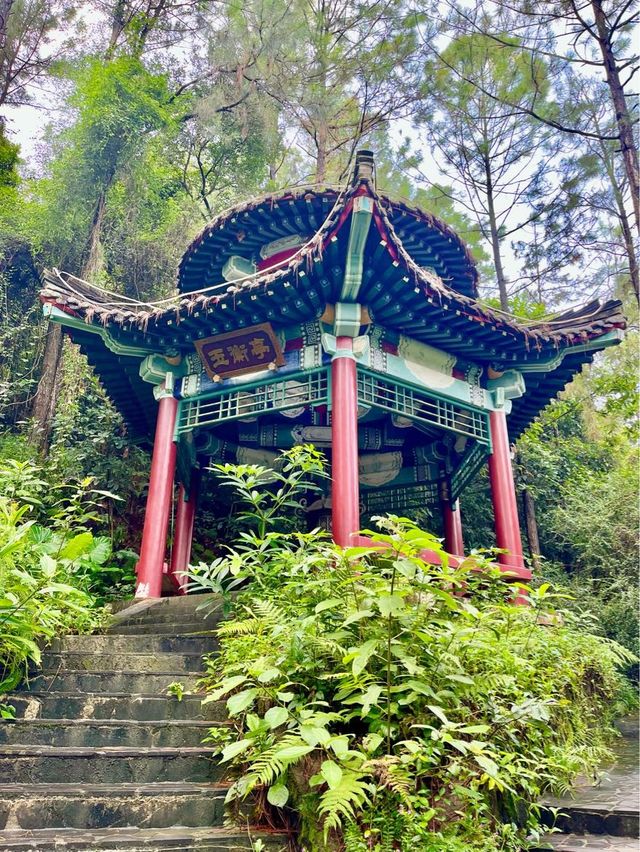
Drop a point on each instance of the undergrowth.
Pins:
(383, 702)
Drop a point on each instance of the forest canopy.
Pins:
(125, 125)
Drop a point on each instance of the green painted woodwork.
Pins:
(399, 499)
(546, 365)
(361, 215)
(348, 319)
(238, 267)
(471, 462)
(290, 393)
(510, 385)
(155, 368)
(111, 343)
(422, 405)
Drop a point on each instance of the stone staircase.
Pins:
(100, 757)
(605, 816)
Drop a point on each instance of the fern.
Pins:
(343, 800)
(270, 764)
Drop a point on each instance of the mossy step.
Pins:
(93, 806)
(175, 603)
(121, 662)
(92, 733)
(587, 843)
(141, 840)
(167, 628)
(91, 705)
(115, 643)
(107, 682)
(108, 764)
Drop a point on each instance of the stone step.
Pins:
(89, 806)
(62, 705)
(178, 603)
(612, 805)
(618, 821)
(107, 662)
(169, 628)
(109, 764)
(142, 840)
(211, 612)
(112, 681)
(587, 843)
(115, 643)
(91, 733)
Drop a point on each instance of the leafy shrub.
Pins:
(43, 587)
(381, 702)
(59, 502)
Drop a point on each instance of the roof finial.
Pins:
(364, 166)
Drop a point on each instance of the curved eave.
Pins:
(541, 389)
(119, 376)
(310, 211)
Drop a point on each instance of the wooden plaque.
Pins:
(246, 350)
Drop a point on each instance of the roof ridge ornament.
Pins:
(364, 167)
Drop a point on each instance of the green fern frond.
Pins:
(343, 800)
(247, 627)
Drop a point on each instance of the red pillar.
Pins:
(503, 494)
(453, 542)
(345, 487)
(183, 535)
(156, 519)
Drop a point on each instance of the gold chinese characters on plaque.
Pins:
(246, 350)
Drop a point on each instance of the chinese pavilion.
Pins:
(341, 318)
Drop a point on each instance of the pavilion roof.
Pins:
(419, 279)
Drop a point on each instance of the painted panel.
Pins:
(246, 350)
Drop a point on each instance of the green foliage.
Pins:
(44, 591)
(396, 704)
(579, 461)
(59, 501)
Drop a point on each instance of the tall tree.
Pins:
(489, 151)
(337, 70)
(591, 37)
(33, 33)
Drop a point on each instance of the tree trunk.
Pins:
(532, 527)
(623, 118)
(93, 263)
(634, 272)
(5, 11)
(495, 240)
(44, 402)
(321, 153)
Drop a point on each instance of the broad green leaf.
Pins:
(285, 696)
(276, 716)
(77, 546)
(331, 773)
(234, 749)
(226, 686)
(370, 697)
(48, 566)
(278, 795)
(290, 753)
(489, 766)
(439, 712)
(268, 674)
(360, 656)
(371, 742)
(314, 735)
(339, 746)
(357, 616)
(331, 603)
(240, 701)
(389, 604)
(474, 729)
